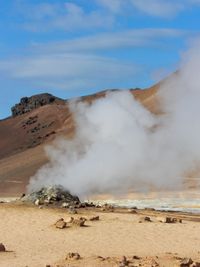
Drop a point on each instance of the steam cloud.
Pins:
(119, 145)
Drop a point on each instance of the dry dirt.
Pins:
(32, 240)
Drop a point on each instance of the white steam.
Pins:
(120, 146)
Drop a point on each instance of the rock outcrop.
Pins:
(51, 195)
(27, 104)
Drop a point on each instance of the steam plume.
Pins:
(119, 145)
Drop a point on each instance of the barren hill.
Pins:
(35, 122)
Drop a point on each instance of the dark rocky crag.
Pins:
(28, 104)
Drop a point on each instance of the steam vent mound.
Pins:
(51, 195)
(27, 104)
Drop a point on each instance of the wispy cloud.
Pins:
(69, 71)
(69, 16)
(79, 64)
(156, 8)
(159, 8)
(114, 6)
(65, 16)
(113, 40)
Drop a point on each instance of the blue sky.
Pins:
(77, 47)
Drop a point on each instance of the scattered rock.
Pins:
(145, 219)
(124, 262)
(133, 211)
(80, 222)
(2, 248)
(73, 256)
(136, 257)
(186, 262)
(172, 220)
(149, 262)
(100, 258)
(61, 224)
(107, 207)
(89, 204)
(95, 218)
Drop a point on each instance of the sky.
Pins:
(78, 47)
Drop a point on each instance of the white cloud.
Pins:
(159, 8)
(109, 41)
(104, 14)
(114, 6)
(66, 16)
(69, 71)
(79, 64)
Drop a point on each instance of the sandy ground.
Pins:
(32, 240)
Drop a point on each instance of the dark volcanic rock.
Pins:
(29, 103)
(51, 195)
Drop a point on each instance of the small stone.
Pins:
(2, 248)
(101, 258)
(73, 256)
(61, 224)
(95, 218)
(186, 262)
(108, 207)
(79, 222)
(124, 262)
(171, 220)
(133, 211)
(136, 257)
(145, 219)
